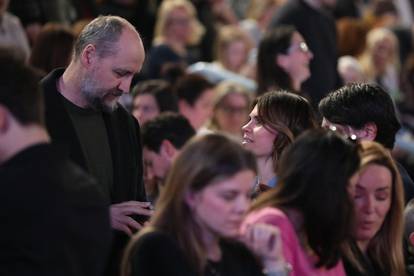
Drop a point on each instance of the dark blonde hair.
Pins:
(385, 249)
(202, 162)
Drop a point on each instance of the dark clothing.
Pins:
(407, 182)
(126, 152)
(54, 219)
(158, 254)
(162, 58)
(91, 131)
(319, 31)
(371, 268)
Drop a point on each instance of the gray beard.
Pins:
(94, 97)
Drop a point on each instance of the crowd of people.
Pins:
(207, 137)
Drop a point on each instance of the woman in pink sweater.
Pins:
(311, 205)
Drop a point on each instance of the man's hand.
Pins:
(120, 219)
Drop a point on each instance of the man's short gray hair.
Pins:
(103, 32)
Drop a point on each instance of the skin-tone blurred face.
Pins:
(220, 207)
(3, 6)
(372, 201)
(107, 78)
(235, 54)
(296, 61)
(382, 54)
(145, 108)
(256, 137)
(201, 110)
(156, 165)
(231, 113)
(179, 25)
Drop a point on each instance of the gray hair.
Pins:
(103, 32)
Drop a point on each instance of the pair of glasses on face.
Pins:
(301, 47)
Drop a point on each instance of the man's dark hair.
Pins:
(190, 87)
(19, 89)
(167, 126)
(358, 104)
(162, 92)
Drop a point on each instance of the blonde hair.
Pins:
(258, 7)
(374, 37)
(221, 91)
(385, 249)
(163, 17)
(226, 36)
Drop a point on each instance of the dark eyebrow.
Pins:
(122, 72)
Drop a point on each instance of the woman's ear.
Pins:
(192, 199)
(281, 60)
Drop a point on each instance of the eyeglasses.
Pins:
(233, 109)
(302, 47)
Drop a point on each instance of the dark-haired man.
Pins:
(364, 111)
(162, 139)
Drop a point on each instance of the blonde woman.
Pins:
(230, 109)
(380, 61)
(176, 28)
(376, 248)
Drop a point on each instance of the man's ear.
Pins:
(4, 119)
(411, 239)
(167, 149)
(368, 132)
(88, 55)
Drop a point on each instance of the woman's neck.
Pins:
(363, 246)
(296, 84)
(212, 246)
(177, 45)
(265, 169)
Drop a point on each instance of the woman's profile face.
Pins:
(256, 137)
(297, 58)
(372, 199)
(220, 207)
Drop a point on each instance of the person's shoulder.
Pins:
(11, 19)
(153, 238)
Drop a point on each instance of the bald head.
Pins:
(103, 32)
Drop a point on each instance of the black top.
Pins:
(158, 254)
(371, 268)
(54, 219)
(319, 31)
(123, 134)
(407, 182)
(91, 131)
